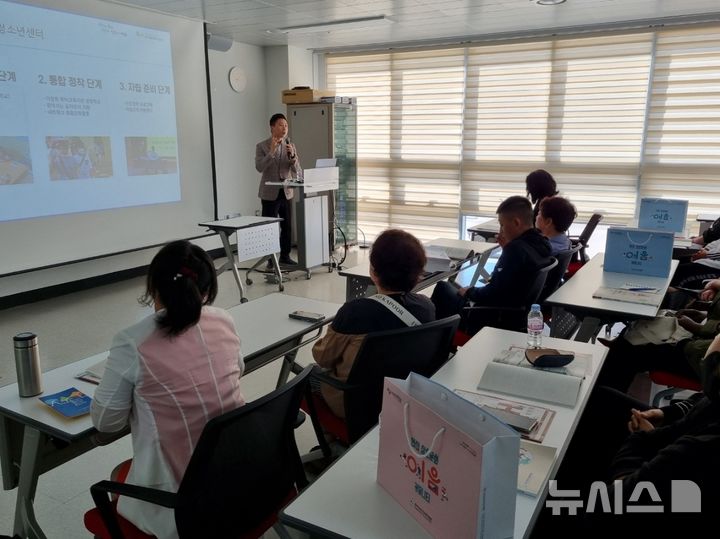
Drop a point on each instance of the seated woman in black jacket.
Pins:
(397, 261)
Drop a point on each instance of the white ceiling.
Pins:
(256, 21)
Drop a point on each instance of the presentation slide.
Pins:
(88, 114)
(104, 131)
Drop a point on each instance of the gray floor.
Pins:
(78, 325)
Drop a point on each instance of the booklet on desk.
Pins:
(439, 250)
(437, 260)
(542, 416)
(70, 402)
(642, 296)
(511, 373)
(536, 460)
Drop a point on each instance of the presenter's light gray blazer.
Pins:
(274, 169)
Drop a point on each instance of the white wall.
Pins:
(276, 80)
(300, 67)
(239, 122)
(286, 67)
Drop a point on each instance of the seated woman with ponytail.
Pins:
(167, 375)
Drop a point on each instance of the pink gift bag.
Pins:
(446, 461)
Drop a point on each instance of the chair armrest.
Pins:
(146, 494)
(100, 494)
(319, 375)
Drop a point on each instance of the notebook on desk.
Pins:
(510, 373)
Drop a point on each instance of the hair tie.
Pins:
(186, 272)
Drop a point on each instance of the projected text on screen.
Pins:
(88, 114)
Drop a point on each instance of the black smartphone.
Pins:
(307, 316)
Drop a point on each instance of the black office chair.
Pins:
(584, 237)
(555, 275)
(245, 468)
(512, 317)
(395, 354)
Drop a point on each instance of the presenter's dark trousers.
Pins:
(281, 207)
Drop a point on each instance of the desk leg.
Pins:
(9, 473)
(25, 523)
(588, 329)
(278, 273)
(231, 260)
(287, 365)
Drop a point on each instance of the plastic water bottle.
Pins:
(535, 325)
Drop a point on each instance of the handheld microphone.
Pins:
(290, 153)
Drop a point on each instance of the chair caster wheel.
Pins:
(248, 281)
(282, 288)
(307, 275)
(243, 300)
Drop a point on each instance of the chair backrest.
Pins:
(244, 467)
(539, 282)
(584, 236)
(512, 317)
(556, 274)
(394, 353)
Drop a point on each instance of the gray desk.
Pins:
(359, 284)
(226, 228)
(346, 501)
(34, 439)
(706, 220)
(488, 230)
(575, 296)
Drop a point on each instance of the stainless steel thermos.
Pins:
(27, 364)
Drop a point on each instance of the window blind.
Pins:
(455, 130)
(409, 137)
(682, 157)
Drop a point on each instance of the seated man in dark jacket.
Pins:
(525, 251)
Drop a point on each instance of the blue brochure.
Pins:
(638, 252)
(70, 402)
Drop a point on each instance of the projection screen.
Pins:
(104, 137)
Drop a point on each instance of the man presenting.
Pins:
(277, 160)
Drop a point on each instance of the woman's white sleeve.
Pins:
(112, 403)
